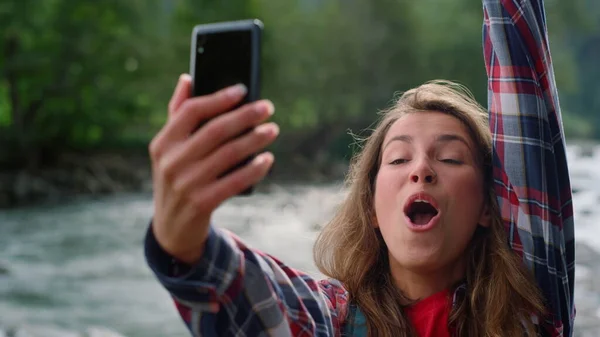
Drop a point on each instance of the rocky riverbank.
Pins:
(74, 175)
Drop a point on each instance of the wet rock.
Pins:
(4, 270)
(28, 186)
(587, 151)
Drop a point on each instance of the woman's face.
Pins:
(429, 193)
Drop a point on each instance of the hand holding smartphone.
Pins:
(225, 54)
(207, 151)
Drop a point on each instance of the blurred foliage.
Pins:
(86, 75)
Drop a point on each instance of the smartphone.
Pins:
(224, 54)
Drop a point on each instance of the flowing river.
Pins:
(78, 269)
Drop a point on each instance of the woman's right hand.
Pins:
(188, 164)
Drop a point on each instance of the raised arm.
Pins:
(530, 165)
(222, 287)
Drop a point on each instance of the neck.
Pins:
(419, 284)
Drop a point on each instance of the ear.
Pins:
(485, 219)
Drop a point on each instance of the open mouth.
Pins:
(421, 209)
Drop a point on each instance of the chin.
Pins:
(419, 261)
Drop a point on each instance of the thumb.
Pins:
(183, 91)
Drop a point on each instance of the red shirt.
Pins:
(429, 316)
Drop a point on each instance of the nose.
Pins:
(423, 172)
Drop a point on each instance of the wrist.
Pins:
(185, 253)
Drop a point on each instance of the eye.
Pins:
(398, 161)
(451, 161)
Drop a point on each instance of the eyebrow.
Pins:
(402, 138)
(444, 138)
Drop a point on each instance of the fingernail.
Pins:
(270, 108)
(262, 158)
(265, 107)
(236, 90)
(267, 129)
(183, 77)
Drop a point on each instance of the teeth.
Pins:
(420, 200)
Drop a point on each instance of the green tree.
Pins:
(68, 75)
(85, 75)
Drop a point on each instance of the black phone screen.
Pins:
(222, 59)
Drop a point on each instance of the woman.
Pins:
(418, 247)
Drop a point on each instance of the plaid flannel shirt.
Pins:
(239, 291)
(530, 164)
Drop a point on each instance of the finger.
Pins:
(214, 134)
(226, 157)
(225, 127)
(234, 183)
(194, 111)
(221, 161)
(183, 91)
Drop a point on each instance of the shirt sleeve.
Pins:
(236, 290)
(530, 164)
